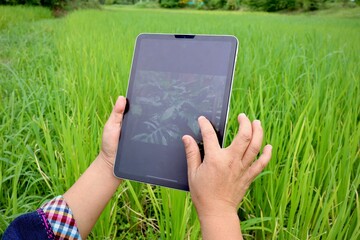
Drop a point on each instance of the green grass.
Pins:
(300, 75)
(10, 16)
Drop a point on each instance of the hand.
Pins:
(218, 184)
(92, 191)
(111, 132)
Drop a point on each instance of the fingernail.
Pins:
(120, 98)
(185, 139)
(257, 122)
(242, 115)
(201, 117)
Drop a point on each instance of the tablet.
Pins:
(174, 79)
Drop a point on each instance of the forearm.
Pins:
(221, 227)
(90, 194)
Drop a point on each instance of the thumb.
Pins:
(117, 113)
(111, 131)
(192, 154)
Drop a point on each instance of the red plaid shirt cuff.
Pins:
(61, 219)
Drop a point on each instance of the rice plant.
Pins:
(300, 75)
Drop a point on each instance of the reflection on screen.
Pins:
(166, 105)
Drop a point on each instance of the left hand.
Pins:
(111, 134)
(92, 191)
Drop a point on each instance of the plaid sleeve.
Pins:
(61, 219)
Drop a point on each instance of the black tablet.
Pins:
(174, 79)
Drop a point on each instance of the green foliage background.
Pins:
(300, 75)
(258, 5)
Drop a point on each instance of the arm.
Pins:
(218, 184)
(92, 191)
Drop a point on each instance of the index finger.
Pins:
(208, 134)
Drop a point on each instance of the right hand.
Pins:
(218, 184)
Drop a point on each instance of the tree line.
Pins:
(259, 5)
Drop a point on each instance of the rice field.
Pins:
(298, 74)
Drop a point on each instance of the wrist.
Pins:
(217, 215)
(105, 166)
(221, 227)
(108, 160)
(215, 209)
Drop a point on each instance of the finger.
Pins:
(208, 135)
(257, 167)
(254, 147)
(243, 137)
(117, 113)
(192, 154)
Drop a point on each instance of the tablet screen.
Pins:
(174, 79)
